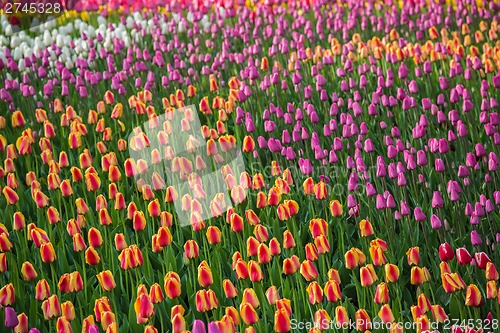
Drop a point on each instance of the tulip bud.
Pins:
(106, 280)
(51, 307)
(28, 271)
(473, 296)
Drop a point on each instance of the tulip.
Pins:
(254, 271)
(491, 271)
(417, 275)
(229, 289)
(282, 321)
(315, 293)
(288, 240)
(94, 237)
(365, 228)
(51, 307)
(491, 290)
(120, 242)
(473, 296)
(172, 285)
(308, 270)
(68, 310)
(204, 274)
(381, 294)
(332, 291)
(191, 249)
(363, 320)
(463, 256)
(3, 262)
(248, 314)
(10, 195)
(91, 256)
(367, 275)
(11, 319)
(198, 327)
(336, 208)
(47, 253)
(446, 252)
(144, 308)
(28, 271)
(106, 280)
(22, 327)
(385, 314)
(413, 255)
(19, 222)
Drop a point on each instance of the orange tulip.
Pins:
(214, 235)
(308, 186)
(417, 275)
(439, 314)
(282, 321)
(139, 221)
(94, 237)
(413, 255)
(249, 296)
(42, 290)
(156, 294)
(491, 271)
(385, 314)
(264, 254)
(51, 307)
(491, 289)
(365, 228)
(381, 294)
(248, 314)
(321, 191)
(315, 293)
(248, 144)
(229, 289)
(28, 271)
(341, 315)
(172, 285)
(363, 321)
(47, 253)
(7, 295)
(473, 296)
(367, 275)
(68, 310)
(336, 208)
(144, 308)
(204, 274)
(308, 270)
(391, 273)
(91, 256)
(106, 280)
(10, 195)
(23, 325)
(71, 282)
(254, 271)
(272, 295)
(288, 240)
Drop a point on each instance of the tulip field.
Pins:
(250, 166)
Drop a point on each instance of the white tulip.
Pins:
(21, 65)
(8, 30)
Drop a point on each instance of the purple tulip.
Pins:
(11, 319)
(475, 238)
(212, 328)
(436, 222)
(419, 214)
(199, 327)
